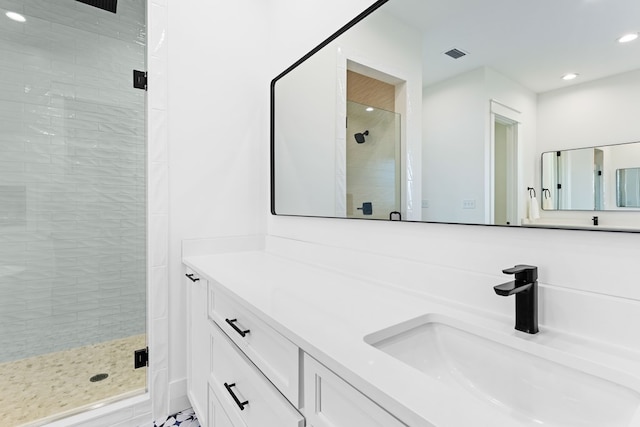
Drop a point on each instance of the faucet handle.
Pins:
(523, 272)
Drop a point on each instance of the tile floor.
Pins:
(183, 419)
(51, 386)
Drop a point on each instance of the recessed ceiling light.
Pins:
(16, 16)
(569, 76)
(369, 108)
(628, 38)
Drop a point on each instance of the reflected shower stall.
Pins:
(373, 161)
(72, 206)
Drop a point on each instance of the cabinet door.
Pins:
(197, 344)
(217, 417)
(329, 401)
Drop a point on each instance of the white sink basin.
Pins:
(544, 389)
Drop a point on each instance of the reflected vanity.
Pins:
(479, 103)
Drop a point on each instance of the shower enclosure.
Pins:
(373, 162)
(72, 206)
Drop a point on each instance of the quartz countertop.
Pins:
(328, 314)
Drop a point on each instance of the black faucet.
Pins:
(526, 289)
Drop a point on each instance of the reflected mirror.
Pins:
(441, 110)
(597, 178)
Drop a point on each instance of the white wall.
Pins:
(454, 148)
(457, 138)
(218, 135)
(601, 112)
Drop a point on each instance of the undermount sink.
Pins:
(535, 389)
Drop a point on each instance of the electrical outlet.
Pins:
(425, 204)
(469, 204)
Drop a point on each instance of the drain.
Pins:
(99, 377)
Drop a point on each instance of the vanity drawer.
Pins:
(277, 357)
(329, 401)
(248, 398)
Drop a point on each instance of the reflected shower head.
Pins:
(360, 136)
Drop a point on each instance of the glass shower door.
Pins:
(72, 206)
(373, 162)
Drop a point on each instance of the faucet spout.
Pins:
(525, 288)
(511, 288)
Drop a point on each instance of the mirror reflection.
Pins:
(441, 110)
(596, 178)
(628, 188)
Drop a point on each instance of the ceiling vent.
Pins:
(455, 53)
(108, 5)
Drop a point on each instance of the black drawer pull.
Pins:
(232, 323)
(193, 279)
(241, 405)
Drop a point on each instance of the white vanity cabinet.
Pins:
(330, 401)
(197, 343)
(243, 372)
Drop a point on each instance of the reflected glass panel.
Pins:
(373, 162)
(628, 187)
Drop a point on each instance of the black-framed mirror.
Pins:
(473, 94)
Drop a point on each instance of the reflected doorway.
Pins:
(373, 149)
(505, 173)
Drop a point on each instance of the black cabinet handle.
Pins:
(241, 405)
(193, 279)
(232, 323)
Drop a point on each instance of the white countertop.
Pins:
(328, 314)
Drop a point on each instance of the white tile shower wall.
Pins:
(72, 176)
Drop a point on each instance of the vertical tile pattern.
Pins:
(72, 176)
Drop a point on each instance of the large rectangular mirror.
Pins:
(441, 110)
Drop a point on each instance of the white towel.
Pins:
(534, 209)
(547, 203)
